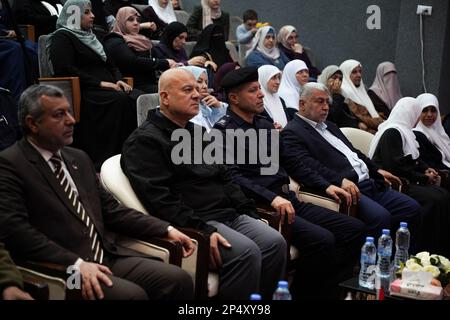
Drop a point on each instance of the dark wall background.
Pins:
(336, 31)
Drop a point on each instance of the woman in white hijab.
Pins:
(433, 140)
(274, 108)
(265, 51)
(356, 96)
(156, 17)
(164, 10)
(339, 112)
(295, 76)
(394, 148)
(385, 89)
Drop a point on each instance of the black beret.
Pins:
(239, 76)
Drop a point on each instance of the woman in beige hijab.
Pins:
(385, 90)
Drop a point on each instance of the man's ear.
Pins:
(31, 124)
(233, 98)
(301, 105)
(164, 98)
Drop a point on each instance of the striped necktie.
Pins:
(72, 195)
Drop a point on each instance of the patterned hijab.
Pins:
(135, 41)
(386, 85)
(435, 133)
(403, 118)
(69, 20)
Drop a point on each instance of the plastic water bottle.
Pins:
(282, 292)
(255, 296)
(368, 264)
(384, 259)
(401, 245)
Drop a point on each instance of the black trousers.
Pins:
(329, 245)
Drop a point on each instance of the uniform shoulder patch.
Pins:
(223, 122)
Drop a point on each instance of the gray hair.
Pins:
(307, 90)
(30, 102)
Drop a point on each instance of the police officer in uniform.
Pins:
(328, 242)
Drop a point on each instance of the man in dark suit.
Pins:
(312, 141)
(318, 233)
(11, 283)
(53, 209)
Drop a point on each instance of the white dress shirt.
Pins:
(357, 164)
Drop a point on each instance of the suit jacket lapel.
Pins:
(39, 163)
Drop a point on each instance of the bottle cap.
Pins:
(282, 284)
(386, 231)
(255, 296)
(369, 239)
(403, 224)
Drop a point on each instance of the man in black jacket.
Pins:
(250, 255)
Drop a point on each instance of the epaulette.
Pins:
(223, 122)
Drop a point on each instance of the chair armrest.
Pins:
(167, 250)
(36, 288)
(129, 81)
(71, 88)
(324, 200)
(197, 265)
(47, 281)
(28, 31)
(267, 213)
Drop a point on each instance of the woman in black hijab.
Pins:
(171, 46)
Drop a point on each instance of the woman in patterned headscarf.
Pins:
(288, 43)
(108, 114)
(265, 50)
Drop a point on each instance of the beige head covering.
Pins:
(134, 40)
(386, 85)
(209, 14)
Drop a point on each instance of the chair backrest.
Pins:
(311, 55)
(146, 102)
(242, 49)
(360, 139)
(235, 21)
(116, 182)
(140, 7)
(189, 46)
(182, 16)
(45, 67)
(232, 49)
